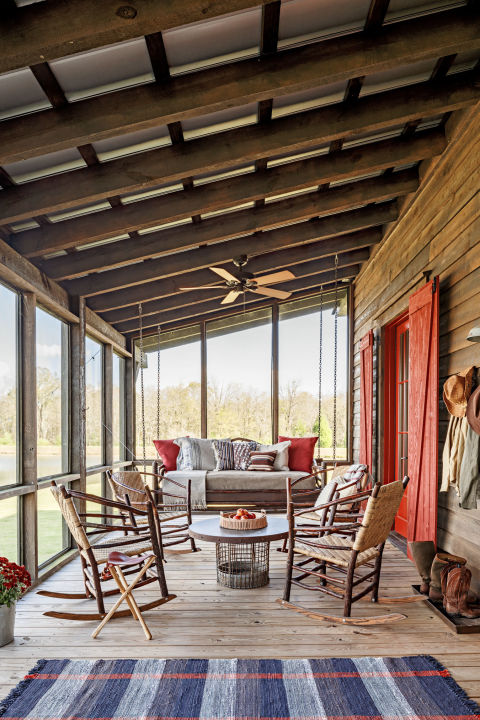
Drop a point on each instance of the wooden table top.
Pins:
(210, 530)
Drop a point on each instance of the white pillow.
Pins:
(281, 459)
(343, 493)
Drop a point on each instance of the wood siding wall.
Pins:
(438, 231)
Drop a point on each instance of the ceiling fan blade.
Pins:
(231, 297)
(274, 277)
(224, 274)
(271, 292)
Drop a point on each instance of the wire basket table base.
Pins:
(243, 566)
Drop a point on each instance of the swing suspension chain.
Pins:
(320, 358)
(142, 391)
(335, 337)
(158, 382)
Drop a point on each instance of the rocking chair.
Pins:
(130, 487)
(134, 541)
(346, 548)
(325, 513)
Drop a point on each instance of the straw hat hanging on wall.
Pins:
(457, 390)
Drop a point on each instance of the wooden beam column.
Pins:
(130, 450)
(28, 432)
(275, 384)
(203, 380)
(78, 407)
(107, 413)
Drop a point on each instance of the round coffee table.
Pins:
(242, 555)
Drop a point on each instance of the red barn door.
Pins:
(366, 399)
(423, 413)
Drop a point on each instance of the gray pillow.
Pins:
(195, 454)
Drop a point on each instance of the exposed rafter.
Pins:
(257, 264)
(303, 265)
(239, 83)
(48, 30)
(330, 227)
(286, 135)
(331, 203)
(227, 311)
(312, 278)
(343, 166)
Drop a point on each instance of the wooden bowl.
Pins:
(227, 521)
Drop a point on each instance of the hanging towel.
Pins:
(447, 450)
(470, 471)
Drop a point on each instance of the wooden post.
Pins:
(28, 432)
(203, 380)
(107, 424)
(78, 410)
(350, 371)
(130, 452)
(275, 386)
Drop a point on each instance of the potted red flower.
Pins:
(14, 581)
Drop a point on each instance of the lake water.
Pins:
(46, 465)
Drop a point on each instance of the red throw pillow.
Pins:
(168, 452)
(300, 452)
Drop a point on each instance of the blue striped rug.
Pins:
(330, 689)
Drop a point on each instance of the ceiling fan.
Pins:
(247, 282)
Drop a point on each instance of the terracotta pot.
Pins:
(7, 624)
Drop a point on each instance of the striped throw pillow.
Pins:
(224, 454)
(262, 460)
(241, 453)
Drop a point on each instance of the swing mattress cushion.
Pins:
(255, 480)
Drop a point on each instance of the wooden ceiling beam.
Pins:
(350, 221)
(285, 135)
(376, 15)
(336, 200)
(257, 264)
(275, 240)
(226, 311)
(310, 276)
(47, 31)
(270, 25)
(240, 83)
(342, 166)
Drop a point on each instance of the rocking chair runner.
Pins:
(130, 487)
(326, 548)
(134, 541)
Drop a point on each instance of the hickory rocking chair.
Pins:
(339, 557)
(172, 513)
(111, 533)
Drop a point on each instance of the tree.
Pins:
(325, 439)
(48, 418)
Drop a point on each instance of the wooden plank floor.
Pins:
(210, 621)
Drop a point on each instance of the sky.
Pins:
(244, 357)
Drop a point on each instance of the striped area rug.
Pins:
(330, 689)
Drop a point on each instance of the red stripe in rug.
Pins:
(235, 676)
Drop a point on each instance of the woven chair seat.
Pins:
(334, 554)
(105, 546)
